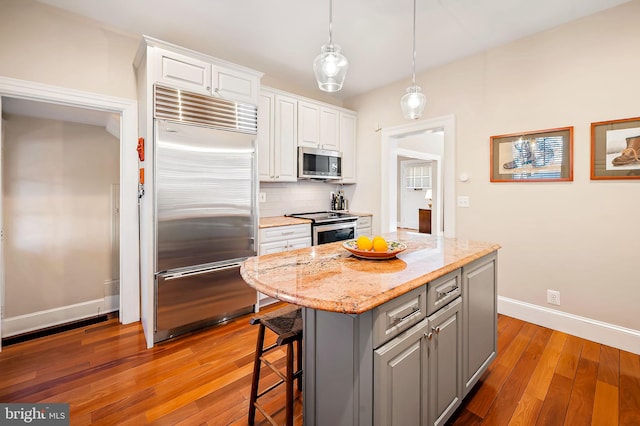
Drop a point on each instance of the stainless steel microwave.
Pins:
(319, 163)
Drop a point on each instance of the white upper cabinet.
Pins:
(286, 134)
(181, 68)
(318, 126)
(266, 139)
(329, 130)
(183, 72)
(348, 146)
(277, 136)
(236, 85)
(308, 124)
(301, 122)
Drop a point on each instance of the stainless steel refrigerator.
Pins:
(206, 221)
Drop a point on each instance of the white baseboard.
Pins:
(51, 317)
(601, 332)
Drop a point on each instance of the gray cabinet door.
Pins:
(400, 379)
(445, 362)
(480, 335)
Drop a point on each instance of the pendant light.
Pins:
(413, 101)
(330, 66)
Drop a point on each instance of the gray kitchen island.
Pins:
(388, 342)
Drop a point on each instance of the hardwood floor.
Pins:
(108, 376)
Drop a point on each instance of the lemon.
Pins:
(364, 243)
(380, 244)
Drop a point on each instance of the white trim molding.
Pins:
(601, 332)
(388, 170)
(52, 317)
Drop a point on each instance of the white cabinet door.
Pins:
(308, 124)
(348, 146)
(363, 226)
(299, 243)
(181, 71)
(277, 137)
(329, 129)
(274, 247)
(318, 126)
(266, 141)
(286, 134)
(235, 85)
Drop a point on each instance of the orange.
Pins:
(364, 243)
(380, 244)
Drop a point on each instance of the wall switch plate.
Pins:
(553, 297)
(463, 201)
(263, 197)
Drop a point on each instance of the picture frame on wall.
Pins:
(538, 156)
(615, 149)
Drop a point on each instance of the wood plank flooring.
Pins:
(105, 372)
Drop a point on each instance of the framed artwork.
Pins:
(615, 149)
(540, 156)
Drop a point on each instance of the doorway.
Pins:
(59, 165)
(392, 148)
(417, 182)
(126, 110)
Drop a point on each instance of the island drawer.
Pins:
(443, 290)
(399, 314)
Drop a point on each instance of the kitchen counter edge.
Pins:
(346, 304)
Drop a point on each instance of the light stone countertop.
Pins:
(273, 221)
(329, 278)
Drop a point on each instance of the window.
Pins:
(417, 177)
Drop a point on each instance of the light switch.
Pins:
(263, 197)
(463, 201)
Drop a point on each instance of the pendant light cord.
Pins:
(414, 42)
(330, 22)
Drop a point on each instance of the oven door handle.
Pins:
(335, 226)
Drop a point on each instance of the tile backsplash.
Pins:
(299, 197)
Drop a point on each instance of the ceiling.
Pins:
(282, 37)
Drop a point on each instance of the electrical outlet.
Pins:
(263, 197)
(553, 297)
(463, 201)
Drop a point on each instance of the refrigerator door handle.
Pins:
(176, 275)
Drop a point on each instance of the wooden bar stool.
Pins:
(286, 323)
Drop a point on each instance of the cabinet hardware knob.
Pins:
(436, 329)
(428, 335)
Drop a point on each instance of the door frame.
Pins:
(127, 109)
(389, 173)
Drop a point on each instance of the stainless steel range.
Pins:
(328, 227)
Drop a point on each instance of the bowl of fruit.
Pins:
(374, 248)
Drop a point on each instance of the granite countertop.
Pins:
(272, 221)
(329, 278)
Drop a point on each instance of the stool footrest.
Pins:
(269, 389)
(265, 414)
(273, 368)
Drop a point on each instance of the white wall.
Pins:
(44, 44)
(57, 180)
(576, 237)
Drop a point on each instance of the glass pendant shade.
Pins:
(413, 103)
(330, 68)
